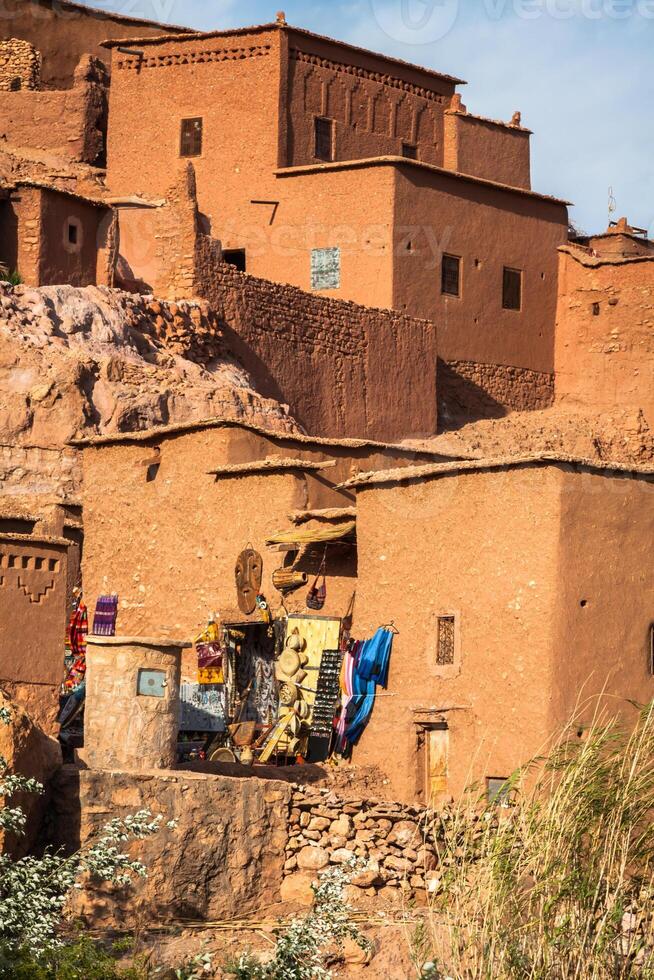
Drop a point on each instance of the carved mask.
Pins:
(249, 570)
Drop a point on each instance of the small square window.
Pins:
(512, 289)
(410, 151)
(498, 790)
(235, 257)
(151, 683)
(325, 268)
(451, 275)
(324, 139)
(446, 636)
(191, 138)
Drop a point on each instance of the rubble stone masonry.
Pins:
(394, 843)
(20, 65)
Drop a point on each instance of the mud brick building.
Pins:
(356, 176)
(521, 590)
(605, 323)
(55, 236)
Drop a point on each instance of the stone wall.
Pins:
(396, 841)
(20, 66)
(224, 859)
(469, 390)
(71, 123)
(344, 369)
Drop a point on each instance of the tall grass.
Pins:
(558, 883)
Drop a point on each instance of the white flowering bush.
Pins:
(301, 951)
(34, 890)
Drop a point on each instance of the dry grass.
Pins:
(559, 883)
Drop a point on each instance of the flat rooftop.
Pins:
(161, 432)
(434, 470)
(289, 29)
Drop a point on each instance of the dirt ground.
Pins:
(390, 934)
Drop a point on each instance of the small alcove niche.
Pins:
(73, 235)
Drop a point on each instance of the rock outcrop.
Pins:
(77, 362)
(29, 752)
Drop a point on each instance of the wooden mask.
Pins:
(249, 571)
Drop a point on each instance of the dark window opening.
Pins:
(324, 138)
(451, 275)
(191, 138)
(410, 151)
(651, 649)
(596, 309)
(446, 636)
(15, 85)
(72, 233)
(498, 790)
(235, 257)
(151, 472)
(512, 289)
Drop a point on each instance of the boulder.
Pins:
(405, 833)
(342, 856)
(29, 752)
(296, 890)
(312, 858)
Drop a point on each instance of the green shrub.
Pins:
(82, 959)
(6, 275)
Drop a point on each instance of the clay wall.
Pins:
(168, 547)
(224, 860)
(20, 65)
(33, 585)
(604, 610)
(39, 220)
(486, 148)
(481, 547)
(489, 229)
(329, 360)
(70, 123)
(63, 32)
(376, 107)
(232, 83)
(497, 550)
(604, 334)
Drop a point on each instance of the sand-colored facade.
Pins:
(543, 566)
(168, 544)
(604, 329)
(33, 602)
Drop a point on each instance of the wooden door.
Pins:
(436, 752)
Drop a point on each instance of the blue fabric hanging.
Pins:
(371, 669)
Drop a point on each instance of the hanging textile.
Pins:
(365, 667)
(209, 652)
(255, 666)
(76, 634)
(106, 613)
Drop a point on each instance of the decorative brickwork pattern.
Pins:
(374, 76)
(20, 66)
(194, 57)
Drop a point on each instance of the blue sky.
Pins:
(578, 70)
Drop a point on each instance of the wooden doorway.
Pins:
(433, 753)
